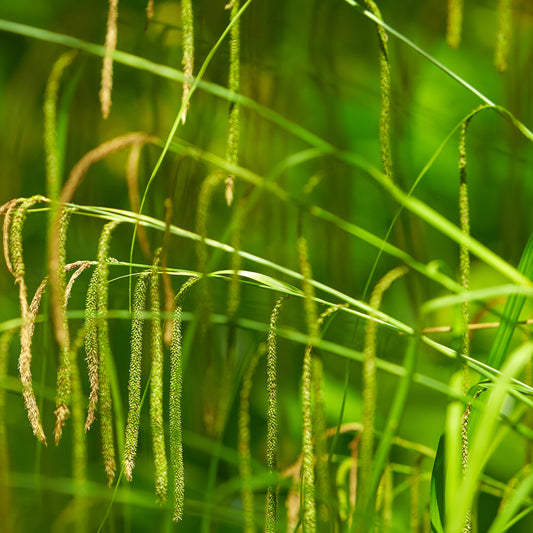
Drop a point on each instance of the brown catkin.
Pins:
(134, 385)
(26, 331)
(107, 67)
(156, 389)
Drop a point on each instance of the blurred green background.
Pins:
(316, 63)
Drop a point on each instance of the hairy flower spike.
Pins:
(272, 417)
(91, 347)
(187, 24)
(107, 68)
(232, 149)
(176, 388)
(134, 386)
(27, 314)
(156, 389)
(385, 85)
(104, 353)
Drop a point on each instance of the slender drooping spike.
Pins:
(156, 388)
(232, 149)
(53, 178)
(104, 352)
(503, 37)
(385, 86)
(385, 498)
(366, 447)
(7, 210)
(187, 28)
(26, 332)
(107, 68)
(134, 386)
(414, 515)
(455, 23)
(80, 267)
(149, 12)
(6, 511)
(64, 391)
(91, 348)
(175, 393)
(272, 417)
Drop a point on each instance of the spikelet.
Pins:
(7, 210)
(366, 446)
(53, 178)
(232, 148)
(27, 314)
(63, 371)
(176, 387)
(385, 87)
(107, 68)
(91, 348)
(414, 515)
(455, 23)
(503, 37)
(104, 352)
(272, 417)
(134, 386)
(187, 25)
(156, 389)
(6, 510)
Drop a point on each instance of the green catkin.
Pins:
(455, 23)
(53, 178)
(503, 36)
(272, 417)
(134, 385)
(107, 67)
(104, 353)
(91, 348)
(385, 87)
(175, 394)
(366, 446)
(187, 25)
(156, 389)
(232, 149)
(245, 466)
(26, 331)
(63, 393)
(6, 510)
(308, 475)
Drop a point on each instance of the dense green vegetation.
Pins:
(266, 266)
